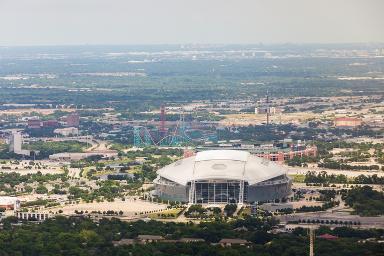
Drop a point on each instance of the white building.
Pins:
(69, 131)
(38, 216)
(15, 144)
(9, 202)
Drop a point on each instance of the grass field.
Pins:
(166, 214)
(299, 178)
(246, 211)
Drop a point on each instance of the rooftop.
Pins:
(8, 200)
(149, 237)
(221, 164)
(234, 155)
(233, 241)
(328, 237)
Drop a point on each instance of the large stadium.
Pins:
(221, 177)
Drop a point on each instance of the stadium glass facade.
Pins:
(212, 192)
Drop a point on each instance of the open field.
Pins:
(33, 171)
(301, 203)
(129, 207)
(24, 167)
(42, 111)
(168, 214)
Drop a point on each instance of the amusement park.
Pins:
(176, 136)
(144, 137)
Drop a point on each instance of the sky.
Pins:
(78, 22)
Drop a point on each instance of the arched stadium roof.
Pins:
(222, 164)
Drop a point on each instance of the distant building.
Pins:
(271, 110)
(228, 242)
(68, 131)
(34, 124)
(73, 120)
(33, 216)
(15, 144)
(328, 237)
(149, 238)
(50, 124)
(347, 122)
(37, 124)
(191, 240)
(9, 202)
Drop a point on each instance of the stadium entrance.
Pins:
(220, 192)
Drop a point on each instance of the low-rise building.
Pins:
(228, 242)
(149, 238)
(9, 202)
(34, 216)
(347, 122)
(327, 237)
(73, 120)
(68, 131)
(34, 124)
(191, 240)
(50, 123)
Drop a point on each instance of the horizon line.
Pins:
(191, 44)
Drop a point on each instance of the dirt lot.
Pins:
(129, 207)
(21, 111)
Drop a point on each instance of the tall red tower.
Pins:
(162, 120)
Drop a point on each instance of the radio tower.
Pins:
(267, 108)
(162, 120)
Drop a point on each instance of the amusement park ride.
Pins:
(142, 136)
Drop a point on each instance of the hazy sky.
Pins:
(49, 22)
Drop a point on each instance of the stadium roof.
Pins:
(221, 164)
(234, 155)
